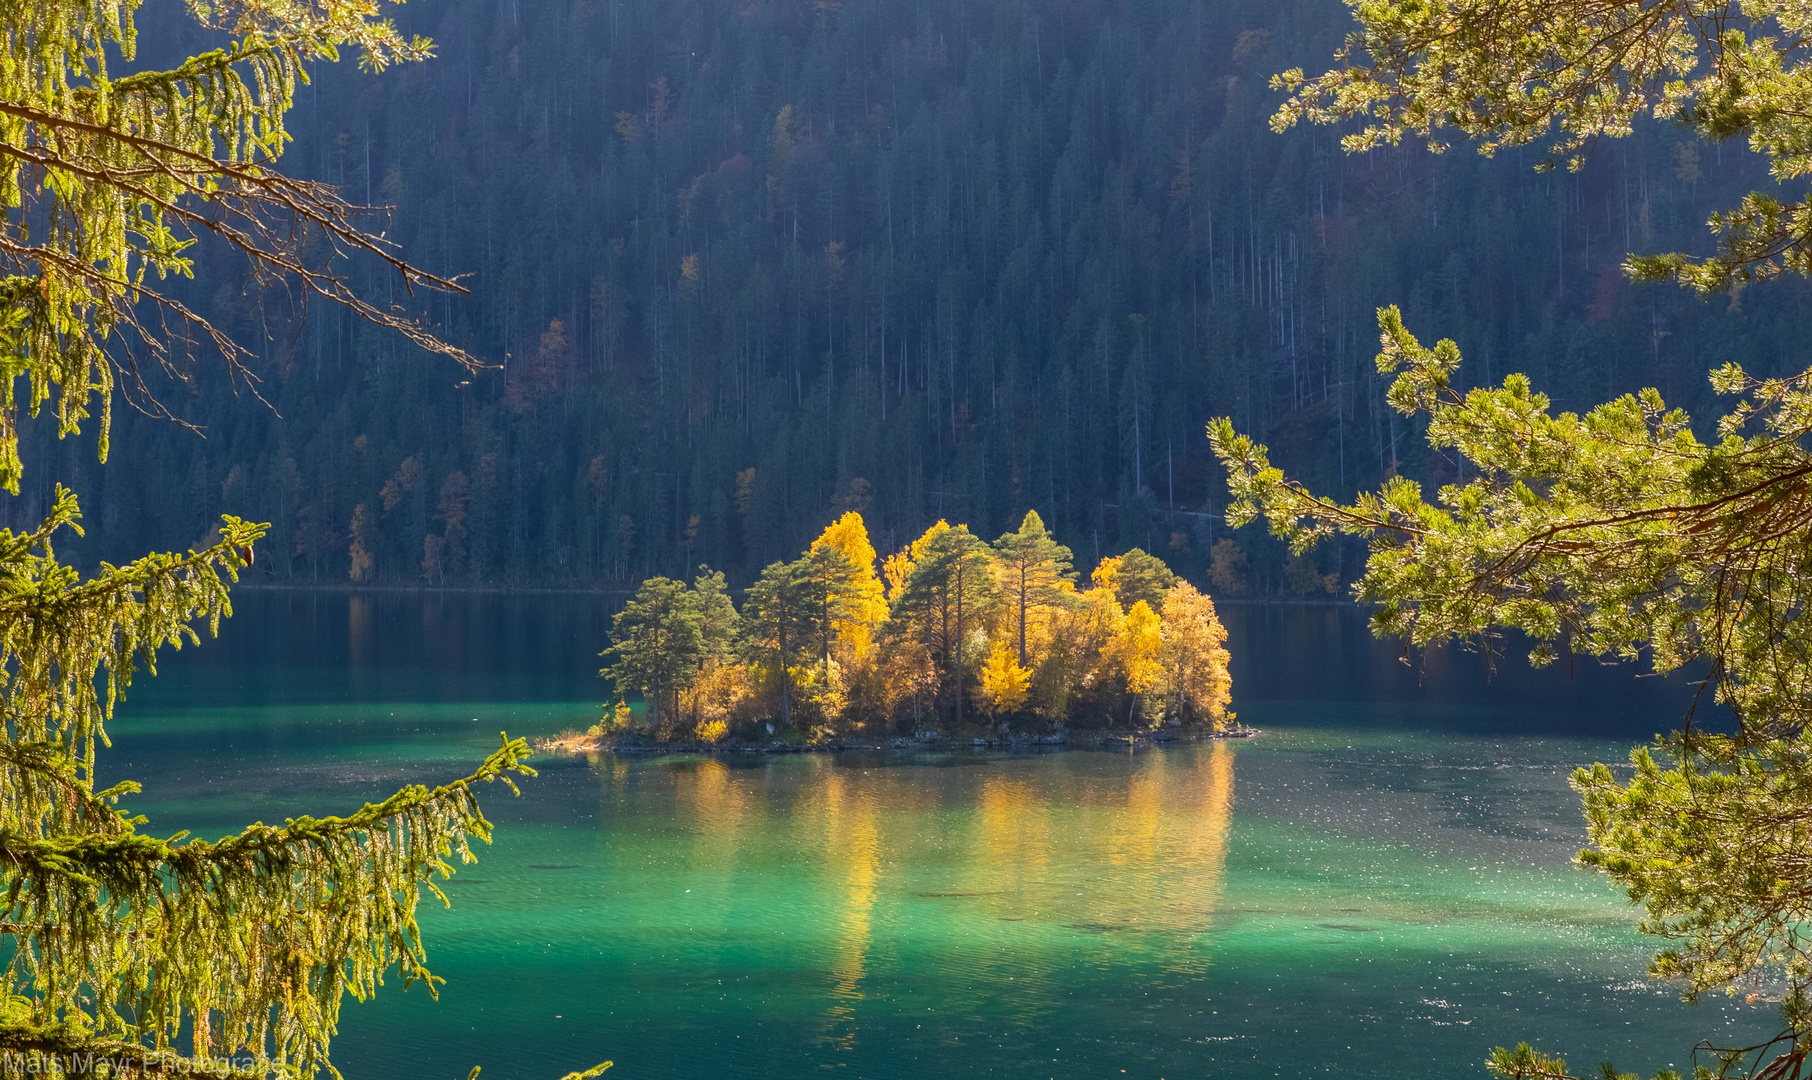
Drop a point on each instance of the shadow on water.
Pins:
(1294, 664)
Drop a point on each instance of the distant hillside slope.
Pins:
(747, 262)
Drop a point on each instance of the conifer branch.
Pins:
(113, 180)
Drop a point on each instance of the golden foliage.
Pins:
(898, 566)
(865, 605)
(1003, 682)
(722, 692)
(1227, 567)
(1194, 656)
(1136, 648)
(958, 620)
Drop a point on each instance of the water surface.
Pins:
(1379, 886)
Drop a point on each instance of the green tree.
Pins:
(716, 613)
(118, 940)
(781, 618)
(947, 596)
(1616, 533)
(1035, 574)
(1136, 576)
(832, 585)
(1572, 72)
(115, 942)
(658, 643)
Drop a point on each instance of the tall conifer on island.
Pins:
(1617, 533)
(831, 583)
(947, 595)
(1035, 575)
(657, 644)
(1135, 576)
(116, 942)
(782, 617)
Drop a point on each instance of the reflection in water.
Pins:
(718, 804)
(1013, 846)
(879, 858)
(1166, 838)
(1202, 857)
(358, 629)
(853, 847)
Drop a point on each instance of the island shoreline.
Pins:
(583, 745)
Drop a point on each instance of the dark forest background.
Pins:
(747, 263)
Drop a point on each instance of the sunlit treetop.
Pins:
(1567, 73)
(110, 175)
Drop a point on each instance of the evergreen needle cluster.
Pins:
(1620, 532)
(1573, 72)
(945, 628)
(127, 952)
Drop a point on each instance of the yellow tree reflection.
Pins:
(851, 837)
(1168, 847)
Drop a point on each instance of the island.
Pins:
(950, 639)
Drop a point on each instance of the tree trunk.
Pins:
(786, 695)
(943, 618)
(1022, 617)
(959, 647)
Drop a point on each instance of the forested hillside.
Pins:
(746, 264)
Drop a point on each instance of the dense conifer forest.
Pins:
(748, 264)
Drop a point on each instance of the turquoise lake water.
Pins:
(1377, 886)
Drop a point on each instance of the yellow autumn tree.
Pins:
(1004, 682)
(1106, 573)
(864, 604)
(1194, 657)
(1137, 648)
(723, 692)
(898, 566)
(1097, 631)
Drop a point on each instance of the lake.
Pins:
(1378, 885)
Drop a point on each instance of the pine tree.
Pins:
(1035, 575)
(1135, 576)
(780, 621)
(658, 645)
(948, 594)
(1614, 532)
(119, 939)
(715, 611)
(831, 584)
(118, 942)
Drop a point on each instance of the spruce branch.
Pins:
(112, 182)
